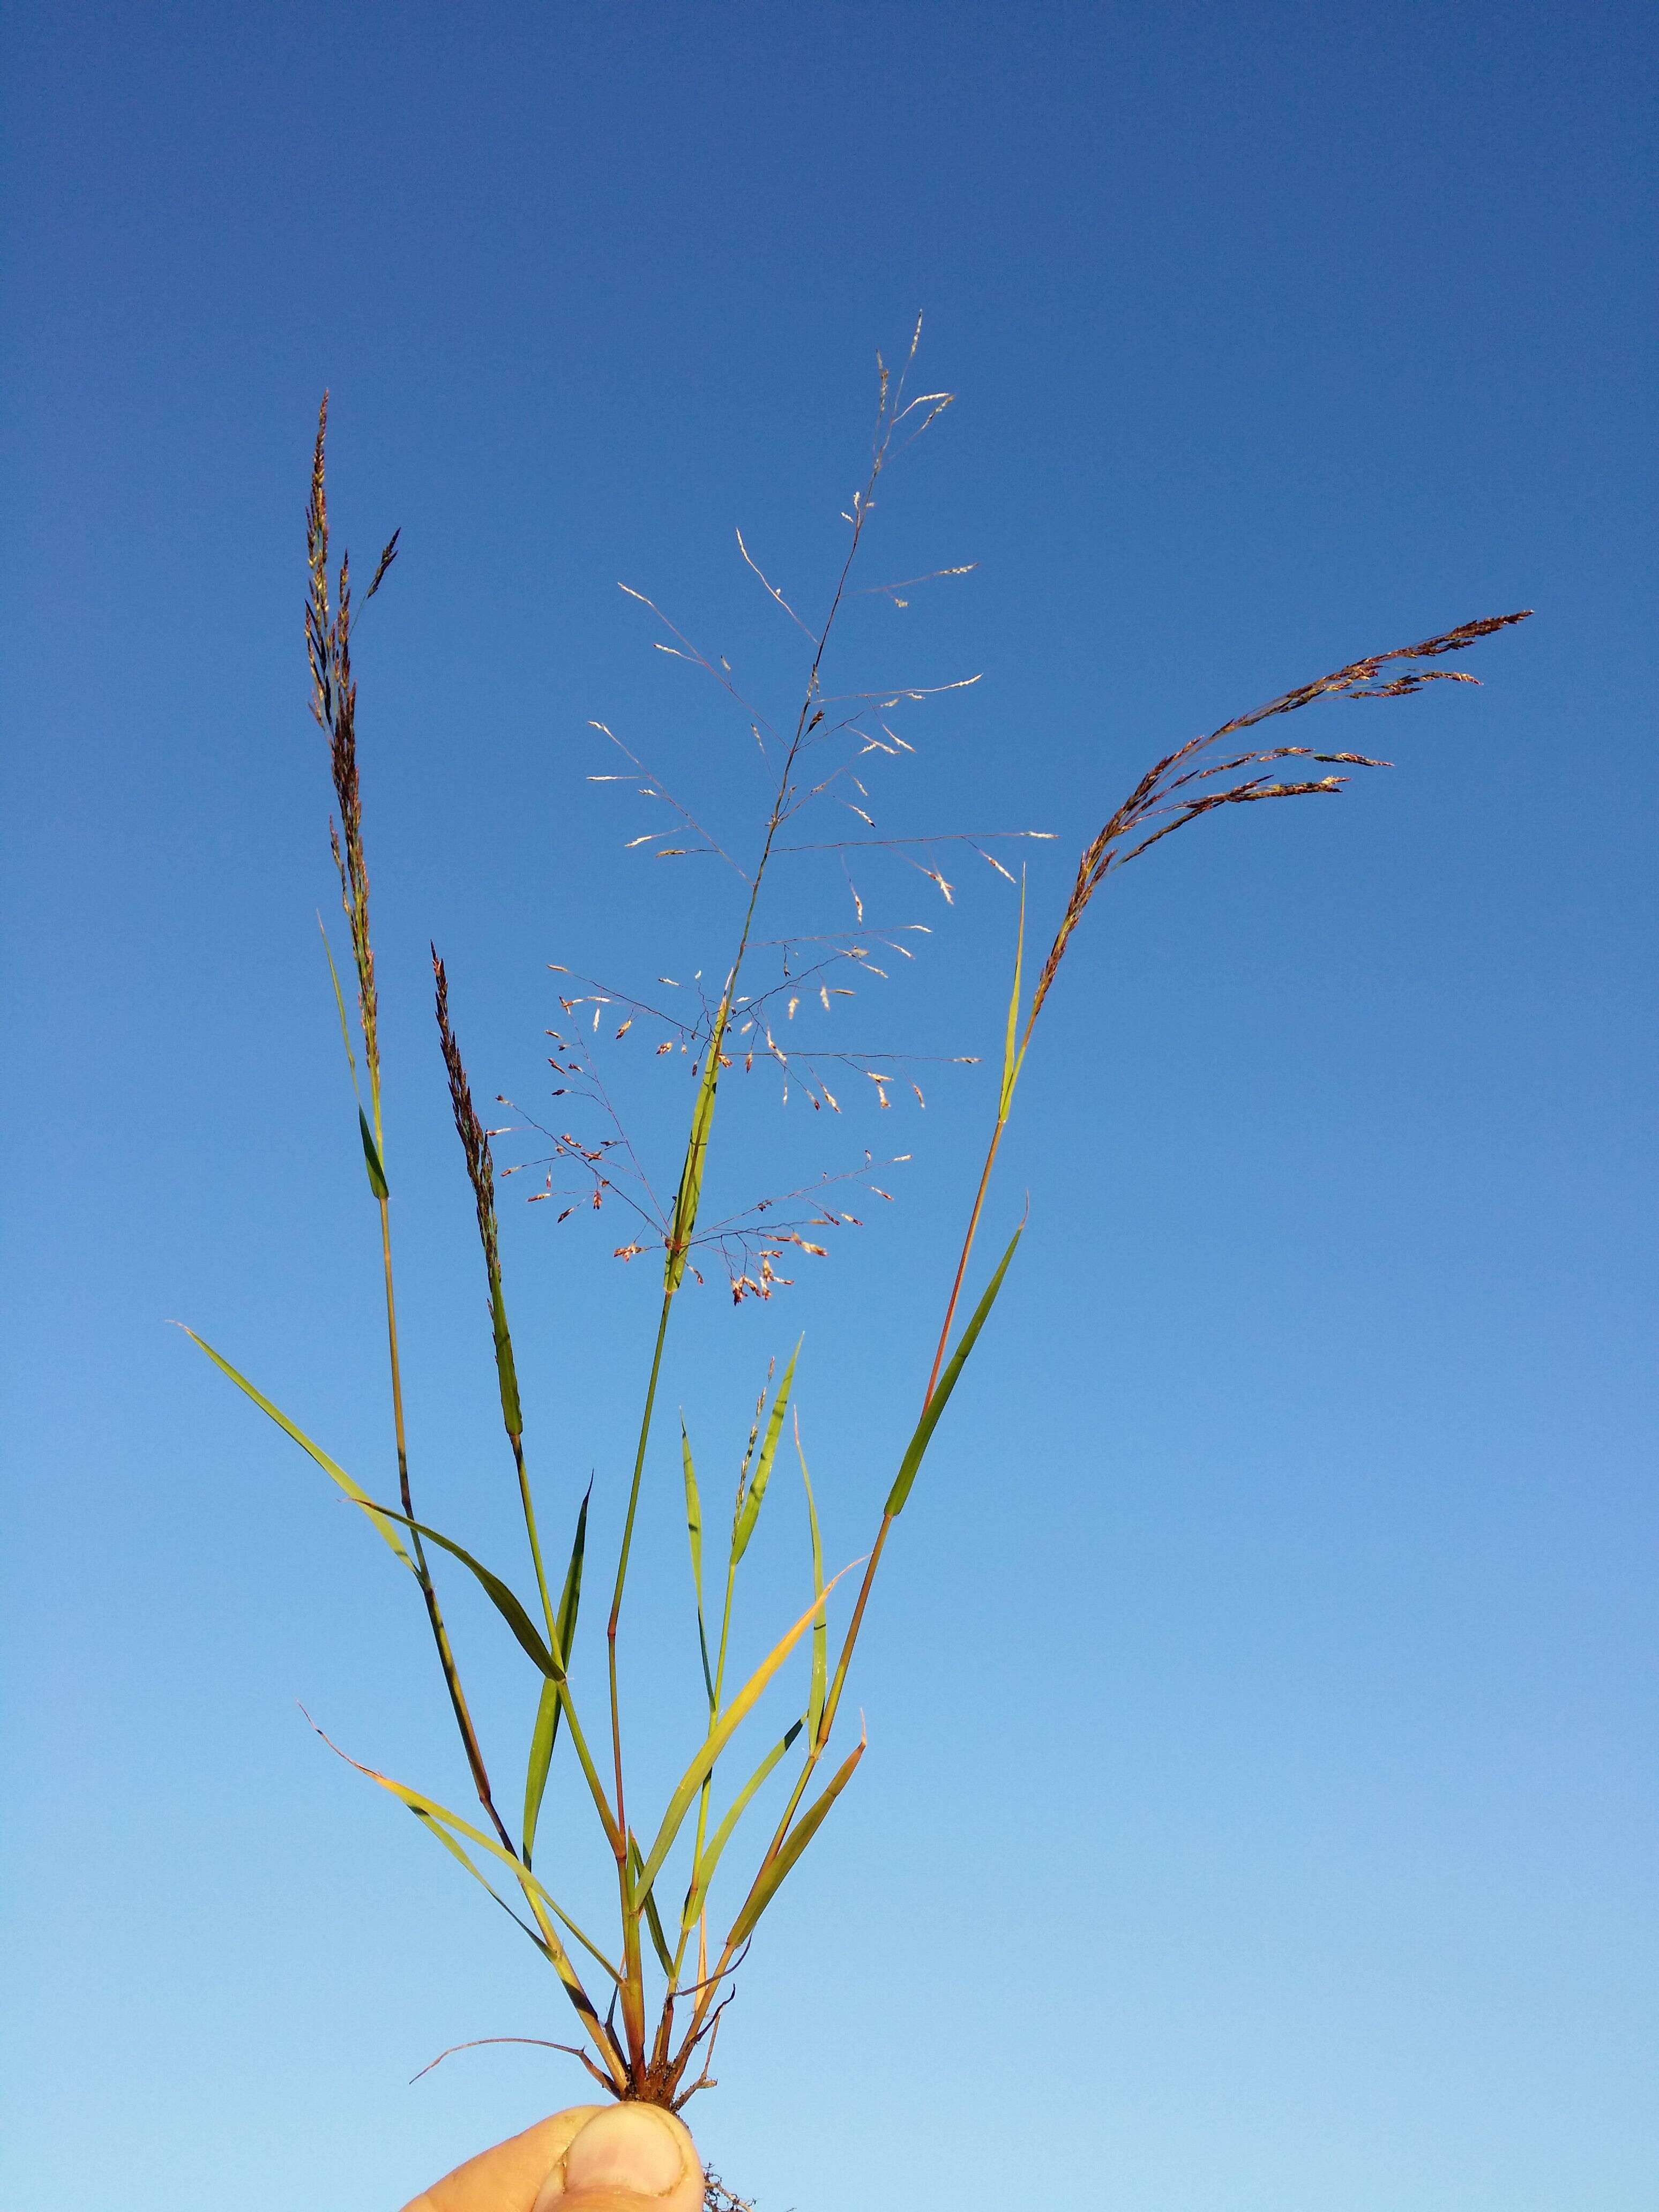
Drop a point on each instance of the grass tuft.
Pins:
(818, 762)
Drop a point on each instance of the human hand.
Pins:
(589, 2158)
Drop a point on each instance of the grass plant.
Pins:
(649, 1993)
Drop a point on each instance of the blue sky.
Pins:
(1259, 1810)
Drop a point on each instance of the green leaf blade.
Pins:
(440, 1834)
(377, 1181)
(772, 1876)
(708, 1864)
(359, 1497)
(541, 1740)
(721, 1733)
(506, 1373)
(821, 1619)
(499, 1594)
(1012, 1056)
(755, 1496)
(339, 1002)
(694, 1531)
(647, 1904)
(430, 1809)
(688, 1196)
(570, 1597)
(546, 1733)
(911, 1463)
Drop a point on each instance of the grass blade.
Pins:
(756, 1496)
(339, 1002)
(693, 1511)
(542, 1739)
(436, 1830)
(770, 1878)
(722, 1836)
(570, 1597)
(687, 1197)
(820, 1622)
(1012, 1051)
(507, 1372)
(523, 1628)
(430, 1809)
(910, 1464)
(359, 1497)
(547, 1712)
(377, 1181)
(649, 1902)
(694, 1530)
(720, 1735)
(495, 1589)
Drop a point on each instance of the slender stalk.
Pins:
(680, 1238)
(832, 1701)
(602, 1804)
(684, 1222)
(961, 1262)
(621, 1562)
(633, 1988)
(682, 1226)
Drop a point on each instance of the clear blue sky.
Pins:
(1260, 1810)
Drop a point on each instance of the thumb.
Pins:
(627, 2158)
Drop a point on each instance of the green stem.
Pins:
(680, 1238)
(555, 1951)
(621, 1562)
(589, 1770)
(961, 1263)
(633, 1988)
(815, 1749)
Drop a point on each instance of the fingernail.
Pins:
(630, 2147)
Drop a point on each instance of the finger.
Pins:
(589, 2157)
(627, 2158)
(507, 2177)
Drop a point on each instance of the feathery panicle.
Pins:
(1162, 797)
(334, 704)
(1155, 799)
